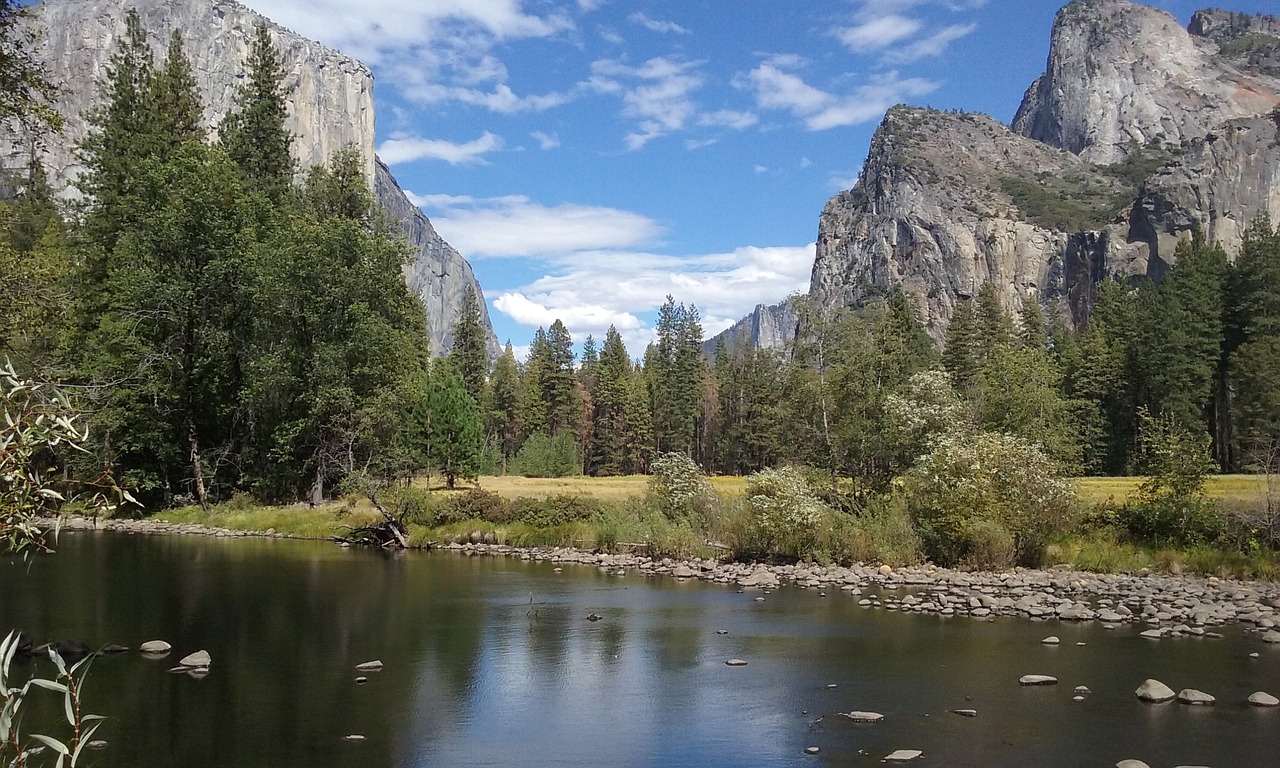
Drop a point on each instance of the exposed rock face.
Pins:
(437, 273)
(1122, 75)
(329, 100)
(329, 95)
(938, 211)
(767, 327)
(1167, 132)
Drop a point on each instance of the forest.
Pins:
(232, 324)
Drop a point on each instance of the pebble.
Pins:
(1051, 640)
(1263, 699)
(1192, 697)
(736, 663)
(1131, 763)
(97, 744)
(353, 737)
(361, 680)
(965, 712)
(864, 717)
(197, 659)
(155, 647)
(811, 750)
(1037, 680)
(370, 666)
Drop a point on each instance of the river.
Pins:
(493, 662)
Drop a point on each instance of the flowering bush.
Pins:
(987, 500)
(788, 514)
(679, 483)
(927, 409)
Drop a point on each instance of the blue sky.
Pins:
(589, 157)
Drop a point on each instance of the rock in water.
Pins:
(859, 716)
(1263, 699)
(1131, 763)
(736, 663)
(369, 666)
(197, 659)
(1155, 691)
(903, 755)
(682, 571)
(811, 750)
(1051, 640)
(1195, 698)
(1037, 680)
(965, 712)
(353, 737)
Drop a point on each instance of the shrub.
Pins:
(543, 455)
(556, 510)
(1171, 509)
(786, 510)
(681, 487)
(998, 480)
(477, 504)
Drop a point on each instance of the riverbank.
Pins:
(1173, 606)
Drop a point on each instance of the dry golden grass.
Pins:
(1233, 489)
(603, 488)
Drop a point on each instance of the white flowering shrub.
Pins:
(787, 513)
(680, 485)
(926, 409)
(987, 500)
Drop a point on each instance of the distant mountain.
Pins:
(330, 106)
(1138, 133)
(767, 327)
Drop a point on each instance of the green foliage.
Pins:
(1071, 202)
(15, 748)
(679, 484)
(26, 94)
(453, 429)
(786, 510)
(975, 493)
(468, 354)
(557, 510)
(41, 427)
(1171, 509)
(253, 132)
(544, 455)
(502, 408)
(675, 370)
(926, 409)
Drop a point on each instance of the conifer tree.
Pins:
(468, 354)
(454, 434)
(253, 132)
(504, 422)
(961, 351)
(175, 98)
(1254, 349)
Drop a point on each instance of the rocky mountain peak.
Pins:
(1252, 42)
(1121, 76)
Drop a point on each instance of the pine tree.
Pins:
(454, 435)
(504, 422)
(1031, 331)
(613, 433)
(253, 132)
(468, 354)
(175, 98)
(558, 382)
(995, 327)
(1254, 349)
(675, 369)
(961, 352)
(26, 93)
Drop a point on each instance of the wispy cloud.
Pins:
(877, 32)
(885, 27)
(777, 88)
(654, 25)
(546, 140)
(407, 149)
(933, 45)
(657, 94)
(515, 226)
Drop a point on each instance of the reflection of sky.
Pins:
(645, 685)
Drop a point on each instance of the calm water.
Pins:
(490, 662)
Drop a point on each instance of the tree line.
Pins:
(232, 324)
(229, 323)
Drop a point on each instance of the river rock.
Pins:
(1154, 691)
(1051, 640)
(811, 750)
(1271, 637)
(1263, 699)
(858, 716)
(113, 648)
(902, 755)
(1037, 680)
(197, 659)
(97, 744)
(369, 666)
(353, 737)
(1131, 763)
(736, 663)
(965, 712)
(682, 571)
(1195, 698)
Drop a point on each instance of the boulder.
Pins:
(902, 755)
(1263, 699)
(1131, 763)
(1051, 640)
(1154, 691)
(369, 666)
(682, 571)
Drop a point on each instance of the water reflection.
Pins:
(494, 663)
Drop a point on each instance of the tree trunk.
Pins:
(197, 465)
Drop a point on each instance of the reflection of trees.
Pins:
(328, 609)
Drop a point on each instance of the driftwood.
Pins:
(390, 533)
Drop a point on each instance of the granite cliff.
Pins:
(1138, 133)
(329, 101)
(769, 326)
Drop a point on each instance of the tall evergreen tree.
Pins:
(504, 421)
(1254, 349)
(468, 354)
(175, 98)
(962, 349)
(26, 93)
(675, 369)
(454, 433)
(253, 132)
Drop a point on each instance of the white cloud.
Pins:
(590, 291)
(610, 35)
(728, 118)
(546, 140)
(654, 25)
(759, 169)
(501, 99)
(777, 88)
(518, 227)
(933, 45)
(877, 32)
(406, 149)
(658, 94)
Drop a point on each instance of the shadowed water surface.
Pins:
(491, 662)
